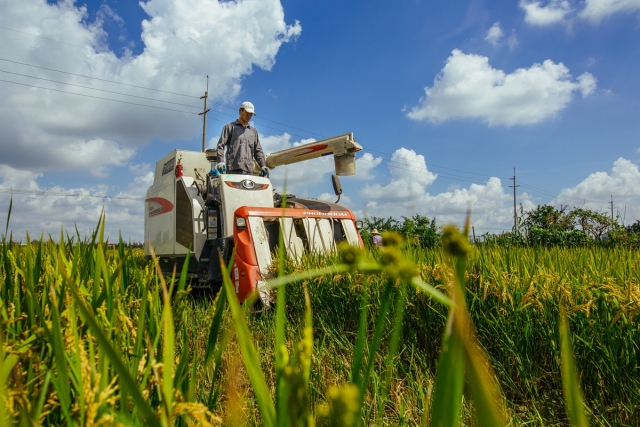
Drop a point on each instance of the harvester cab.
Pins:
(193, 213)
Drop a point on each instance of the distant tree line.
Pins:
(545, 225)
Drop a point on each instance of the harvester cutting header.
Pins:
(192, 211)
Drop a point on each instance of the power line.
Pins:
(140, 87)
(260, 118)
(444, 175)
(434, 165)
(58, 194)
(389, 163)
(179, 94)
(155, 90)
(546, 193)
(96, 89)
(97, 97)
(82, 47)
(262, 125)
(99, 79)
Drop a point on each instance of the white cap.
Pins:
(248, 107)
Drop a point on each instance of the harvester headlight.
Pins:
(241, 222)
(359, 225)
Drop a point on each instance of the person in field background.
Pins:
(377, 238)
(242, 145)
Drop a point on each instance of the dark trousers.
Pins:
(238, 172)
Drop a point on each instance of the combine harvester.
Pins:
(193, 213)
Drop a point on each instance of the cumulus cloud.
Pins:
(596, 10)
(468, 87)
(561, 11)
(184, 40)
(48, 209)
(407, 193)
(299, 177)
(365, 165)
(512, 40)
(410, 178)
(330, 197)
(587, 84)
(554, 12)
(495, 34)
(623, 183)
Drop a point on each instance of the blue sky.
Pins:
(445, 97)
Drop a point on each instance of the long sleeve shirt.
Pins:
(242, 146)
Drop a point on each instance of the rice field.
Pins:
(453, 336)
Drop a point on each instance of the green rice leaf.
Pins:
(307, 275)
(447, 396)
(362, 335)
(4, 373)
(6, 228)
(573, 399)
(61, 383)
(431, 291)
(396, 332)
(252, 363)
(168, 354)
(375, 342)
(213, 341)
(116, 361)
(487, 398)
(279, 349)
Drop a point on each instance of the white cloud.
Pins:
(365, 165)
(587, 84)
(105, 12)
(495, 34)
(46, 210)
(330, 197)
(554, 12)
(596, 10)
(561, 11)
(296, 178)
(623, 183)
(302, 176)
(184, 40)
(410, 178)
(406, 194)
(468, 87)
(512, 41)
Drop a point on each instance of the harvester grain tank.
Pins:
(192, 212)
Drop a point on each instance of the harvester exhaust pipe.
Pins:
(337, 188)
(343, 148)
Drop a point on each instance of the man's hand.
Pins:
(222, 168)
(265, 172)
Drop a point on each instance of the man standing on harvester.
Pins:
(243, 145)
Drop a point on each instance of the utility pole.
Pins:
(515, 212)
(204, 119)
(611, 203)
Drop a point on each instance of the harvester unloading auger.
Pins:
(190, 213)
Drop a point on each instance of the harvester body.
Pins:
(191, 213)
